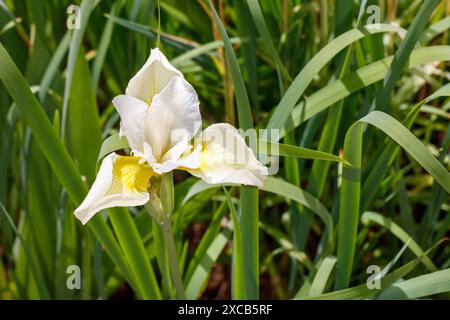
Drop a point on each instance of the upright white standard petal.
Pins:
(152, 78)
(174, 117)
(133, 120)
(226, 158)
(161, 132)
(120, 182)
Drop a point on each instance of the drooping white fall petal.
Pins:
(226, 158)
(120, 182)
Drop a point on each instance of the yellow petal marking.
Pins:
(131, 174)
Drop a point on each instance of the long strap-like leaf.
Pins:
(351, 182)
(304, 78)
(361, 78)
(249, 194)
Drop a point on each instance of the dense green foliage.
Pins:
(363, 180)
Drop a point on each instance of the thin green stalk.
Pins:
(161, 212)
(159, 26)
(237, 290)
(162, 260)
(173, 261)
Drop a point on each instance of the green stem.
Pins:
(163, 221)
(174, 267)
(159, 26)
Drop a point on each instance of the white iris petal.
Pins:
(120, 182)
(159, 132)
(152, 78)
(226, 158)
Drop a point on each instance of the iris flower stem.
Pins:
(165, 224)
(173, 261)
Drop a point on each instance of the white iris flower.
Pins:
(160, 118)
